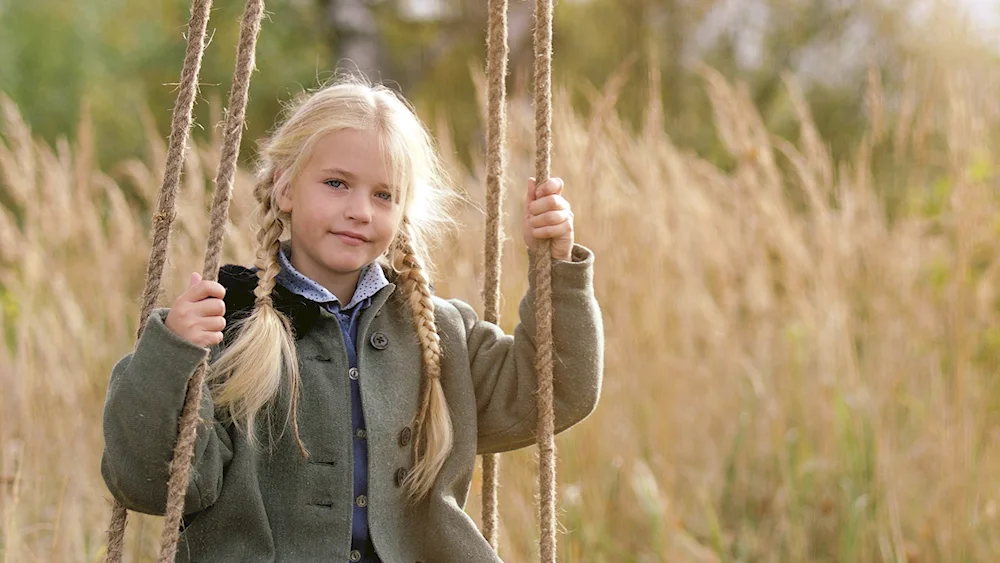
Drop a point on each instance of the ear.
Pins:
(284, 196)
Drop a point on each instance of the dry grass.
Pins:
(790, 376)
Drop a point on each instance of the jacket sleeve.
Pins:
(141, 412)
(502, 365)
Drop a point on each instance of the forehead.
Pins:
(356, 152)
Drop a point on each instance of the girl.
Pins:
(345, 403)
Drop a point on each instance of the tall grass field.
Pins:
(798, 366)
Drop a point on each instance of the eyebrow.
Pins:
(351, 177)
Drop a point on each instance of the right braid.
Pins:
(268, 242)
(432, 423)
(248, 374)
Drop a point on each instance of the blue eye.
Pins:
(384, 195)
(334, 183)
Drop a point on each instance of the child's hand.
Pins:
(197, 315)
(547, 216)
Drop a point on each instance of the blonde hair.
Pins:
(248, 375)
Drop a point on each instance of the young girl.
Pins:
(345, 403)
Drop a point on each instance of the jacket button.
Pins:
(404, 436)
(355, 555)
(362, 501)
(379, 341)
(353, 373)
(401, 474)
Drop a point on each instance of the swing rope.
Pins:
(165, 213)
(543, 288)
(496, 70)
(496, 73)
(180, 466)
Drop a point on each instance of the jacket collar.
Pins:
(240, 283)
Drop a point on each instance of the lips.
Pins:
(351, 236)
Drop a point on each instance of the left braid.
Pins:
(432, 423)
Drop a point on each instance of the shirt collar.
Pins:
(371, 280)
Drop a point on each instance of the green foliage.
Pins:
(124, 57)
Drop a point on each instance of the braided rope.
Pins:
(166, 212)
(543, 288)
(496, 73)
(180, 466)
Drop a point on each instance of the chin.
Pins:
(342, 265)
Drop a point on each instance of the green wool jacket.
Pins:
(245, 505)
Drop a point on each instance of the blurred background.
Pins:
(794, 209)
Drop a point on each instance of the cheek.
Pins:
(309, 217)
(387, 226)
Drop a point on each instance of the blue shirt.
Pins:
(372, 279)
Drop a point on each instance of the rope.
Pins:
(177, 146)
(165, 212)
(543, 288)
(496, 72)
(180, 467)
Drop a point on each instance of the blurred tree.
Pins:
(828, 44)
(353, 34)
(124, 55)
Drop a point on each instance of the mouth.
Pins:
(351, 237)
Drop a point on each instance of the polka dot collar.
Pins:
(372, 279)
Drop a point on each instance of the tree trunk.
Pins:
(353, 37)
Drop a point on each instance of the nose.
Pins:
(358, 207)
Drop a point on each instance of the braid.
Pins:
(269, 244)
(268, 241)
(248, 374)
(432, 423)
